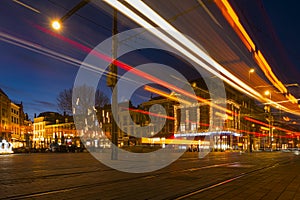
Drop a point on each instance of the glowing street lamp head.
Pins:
(252, 70)
(56, 25)
(267, 92)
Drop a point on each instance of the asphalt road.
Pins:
(223, 175)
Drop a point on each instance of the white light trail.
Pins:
(161, 22)
(154, 17)
(27, 6)
(116, 4)
(50, 53)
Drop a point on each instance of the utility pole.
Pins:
(111, 81)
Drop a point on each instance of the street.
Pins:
(219, 175)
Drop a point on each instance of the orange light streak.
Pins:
(150, 113)
(164, 94)
(271, 126)
(233, 20)
(132, 70)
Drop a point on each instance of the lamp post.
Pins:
(270, 118)
(252, 70)
(252, 137)
(268, 93)
(112, 82)
(112, 75)
(57, 24)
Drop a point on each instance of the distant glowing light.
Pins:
(252, 70)
(286, 118)
(267, 92)
(56, 25)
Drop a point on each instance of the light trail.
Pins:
(164, 94)
(162, 116)
(26, 6)
(156, 18)
(132, 70)
(292, 134)
(37, 48)
(50, 53)
(149, 113)
(271, 126)
(233, 20)
(147, 11)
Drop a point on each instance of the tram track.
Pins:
(45, 193)
(228, 180)
(65, 174)
(86, 186)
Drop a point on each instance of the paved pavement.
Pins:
(224, 175)
(279, 181)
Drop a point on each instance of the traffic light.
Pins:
(111, 78)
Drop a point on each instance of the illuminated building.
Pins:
(4, 116)
(51, 127)
(27, 131)
(16, 122)
(104, 117)
(126, 131)
(168, 128)
(11, 121)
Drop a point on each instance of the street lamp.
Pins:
(56, 25)
(252, 70)
(267, 92)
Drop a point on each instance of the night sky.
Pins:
(37, 79)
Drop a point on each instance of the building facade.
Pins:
(12, 117)
(5, 116)
(53, 128)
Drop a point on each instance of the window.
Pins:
(193, 126)
(182, 127)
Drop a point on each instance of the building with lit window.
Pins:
(16, 122)
(51, 127)
(4, 116)
(11, 121)
(157, 117)
(127, 134)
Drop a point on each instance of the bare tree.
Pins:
(64, 99)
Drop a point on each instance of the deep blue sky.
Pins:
(36, 80)
(274, 26)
